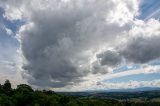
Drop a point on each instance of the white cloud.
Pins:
(124, 12)
(10, 65)
(13, 14)
(15, 79)
(8, 31)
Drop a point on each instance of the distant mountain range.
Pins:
(144, 92)
(131, 89)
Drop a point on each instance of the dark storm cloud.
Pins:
(110, 58)
(48, 48)
(54, 74)
(141, 49)
(56, 42)
(105, 61)
(97, 68)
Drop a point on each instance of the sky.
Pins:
(78, 45)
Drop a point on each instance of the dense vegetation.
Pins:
(24, 95)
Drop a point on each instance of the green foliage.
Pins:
(5, 100)
(72, 103)
(24, 95)
(24, 87)
(7, 85)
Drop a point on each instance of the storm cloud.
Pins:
(142, 46)
(59, 41)
(142, 49)
(110, 58)
(63, 41)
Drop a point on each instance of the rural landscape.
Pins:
(79, 52)
(24, 95)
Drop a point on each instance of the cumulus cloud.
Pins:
(59, 41)
(143, 43)
(8, 31)
(105, 61)
(142, 49)
(140, 45)
(110, 58)
(64, 41)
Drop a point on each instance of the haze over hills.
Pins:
(131, 89)
(145, 93)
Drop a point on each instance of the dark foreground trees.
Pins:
(24, 95)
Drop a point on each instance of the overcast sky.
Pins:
(74, 45)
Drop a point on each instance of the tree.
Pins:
(64, 100)
(24, 87)
(5, 100)
(23, 95)
(48, 92)
(7, 86)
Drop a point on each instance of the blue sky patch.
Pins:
(137, 77)
(148, 8)
(125, 68)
